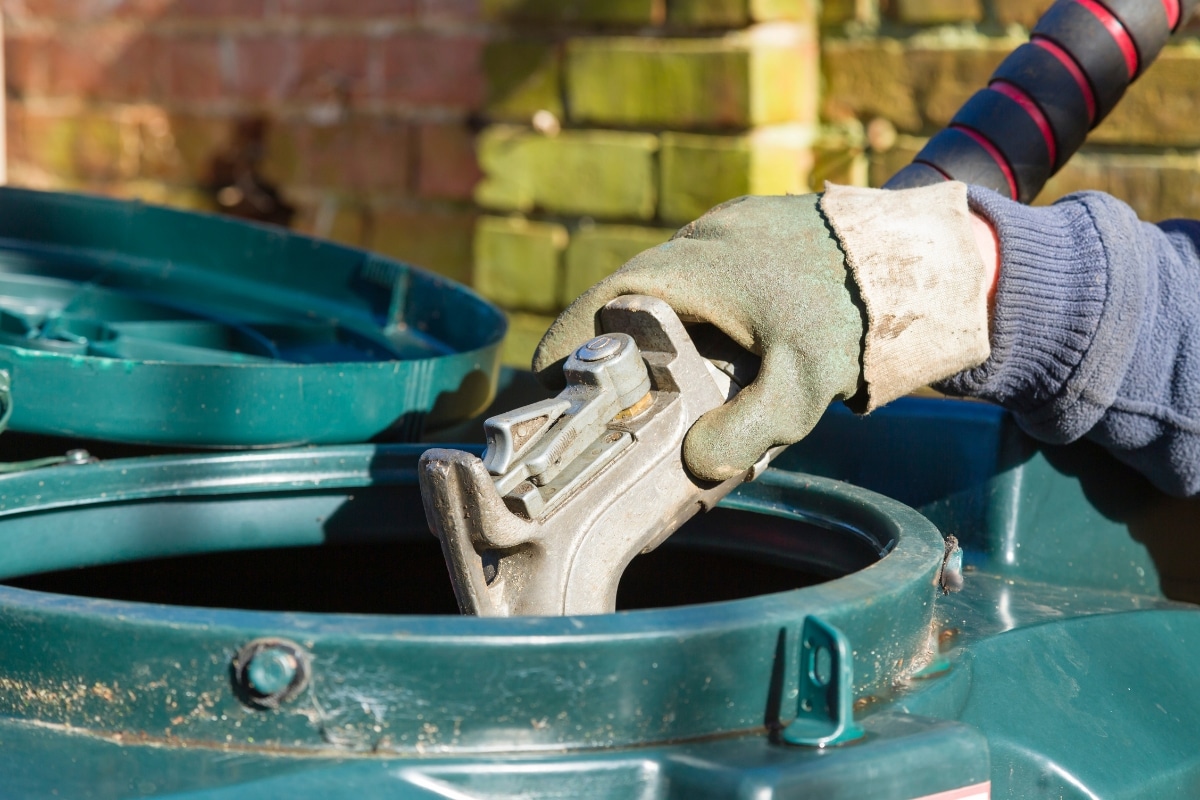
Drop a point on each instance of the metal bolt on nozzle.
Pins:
(599, 349)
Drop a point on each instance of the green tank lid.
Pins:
(125, 322)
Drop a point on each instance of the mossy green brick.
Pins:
(1025, 13)
(436, 240)
(518, 263)
(597, 251)
(938, 12)
(1157, 186)
(1162, 107)
(503, 155)
(85, 146)
(699, 171)
(738, 13)
(597, 173)
(162, 194)
(50, 144)
(806, 11)
(595, 12)
(768, 75)
(523, 77)
(917, 85)
(606, 174)
(838, 12)
(178, 148)
(524, 333)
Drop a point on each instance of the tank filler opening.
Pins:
(723, 555)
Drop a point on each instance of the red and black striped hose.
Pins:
(1044, 98)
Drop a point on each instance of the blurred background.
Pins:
(530, 147)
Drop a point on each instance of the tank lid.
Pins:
(126, 322)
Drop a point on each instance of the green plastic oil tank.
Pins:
(131, 323)
(280, 624)
(182, 608)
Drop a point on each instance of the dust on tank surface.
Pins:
(175, 564)
(130, 323)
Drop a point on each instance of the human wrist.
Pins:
(988, 244)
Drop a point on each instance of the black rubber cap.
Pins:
(1146, 23)
(962, 158)
(915, 174)
(1048, 83)
(1076, 30)
(1003, 122)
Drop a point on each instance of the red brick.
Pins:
(333, 218)
(14, 130)
(141, 72)
(280, 67)
(193, 67)
(447, 168)
(217, 9)
(82, 60)
(441, 11)
(434, 70)
(361, 153)
(365, 153)
(265, 68)
(341, 68)
(111, 63)
(85, 10)
(74, 63)
(26, 65)
(343, 9)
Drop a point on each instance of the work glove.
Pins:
(828, 289)
(769, 273)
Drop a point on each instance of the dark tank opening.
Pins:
(722, 555)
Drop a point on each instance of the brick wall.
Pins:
(351, 114)
(530, 146)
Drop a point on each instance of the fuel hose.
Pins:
(1042, 101)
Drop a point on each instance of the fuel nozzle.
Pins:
(572, 488)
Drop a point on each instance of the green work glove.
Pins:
(769, 272)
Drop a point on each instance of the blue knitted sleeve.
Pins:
(1096, 331)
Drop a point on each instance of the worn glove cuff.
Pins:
(919, 273)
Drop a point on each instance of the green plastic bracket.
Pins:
(825, 708)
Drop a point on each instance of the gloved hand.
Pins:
(859, 294)
(769, 273)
